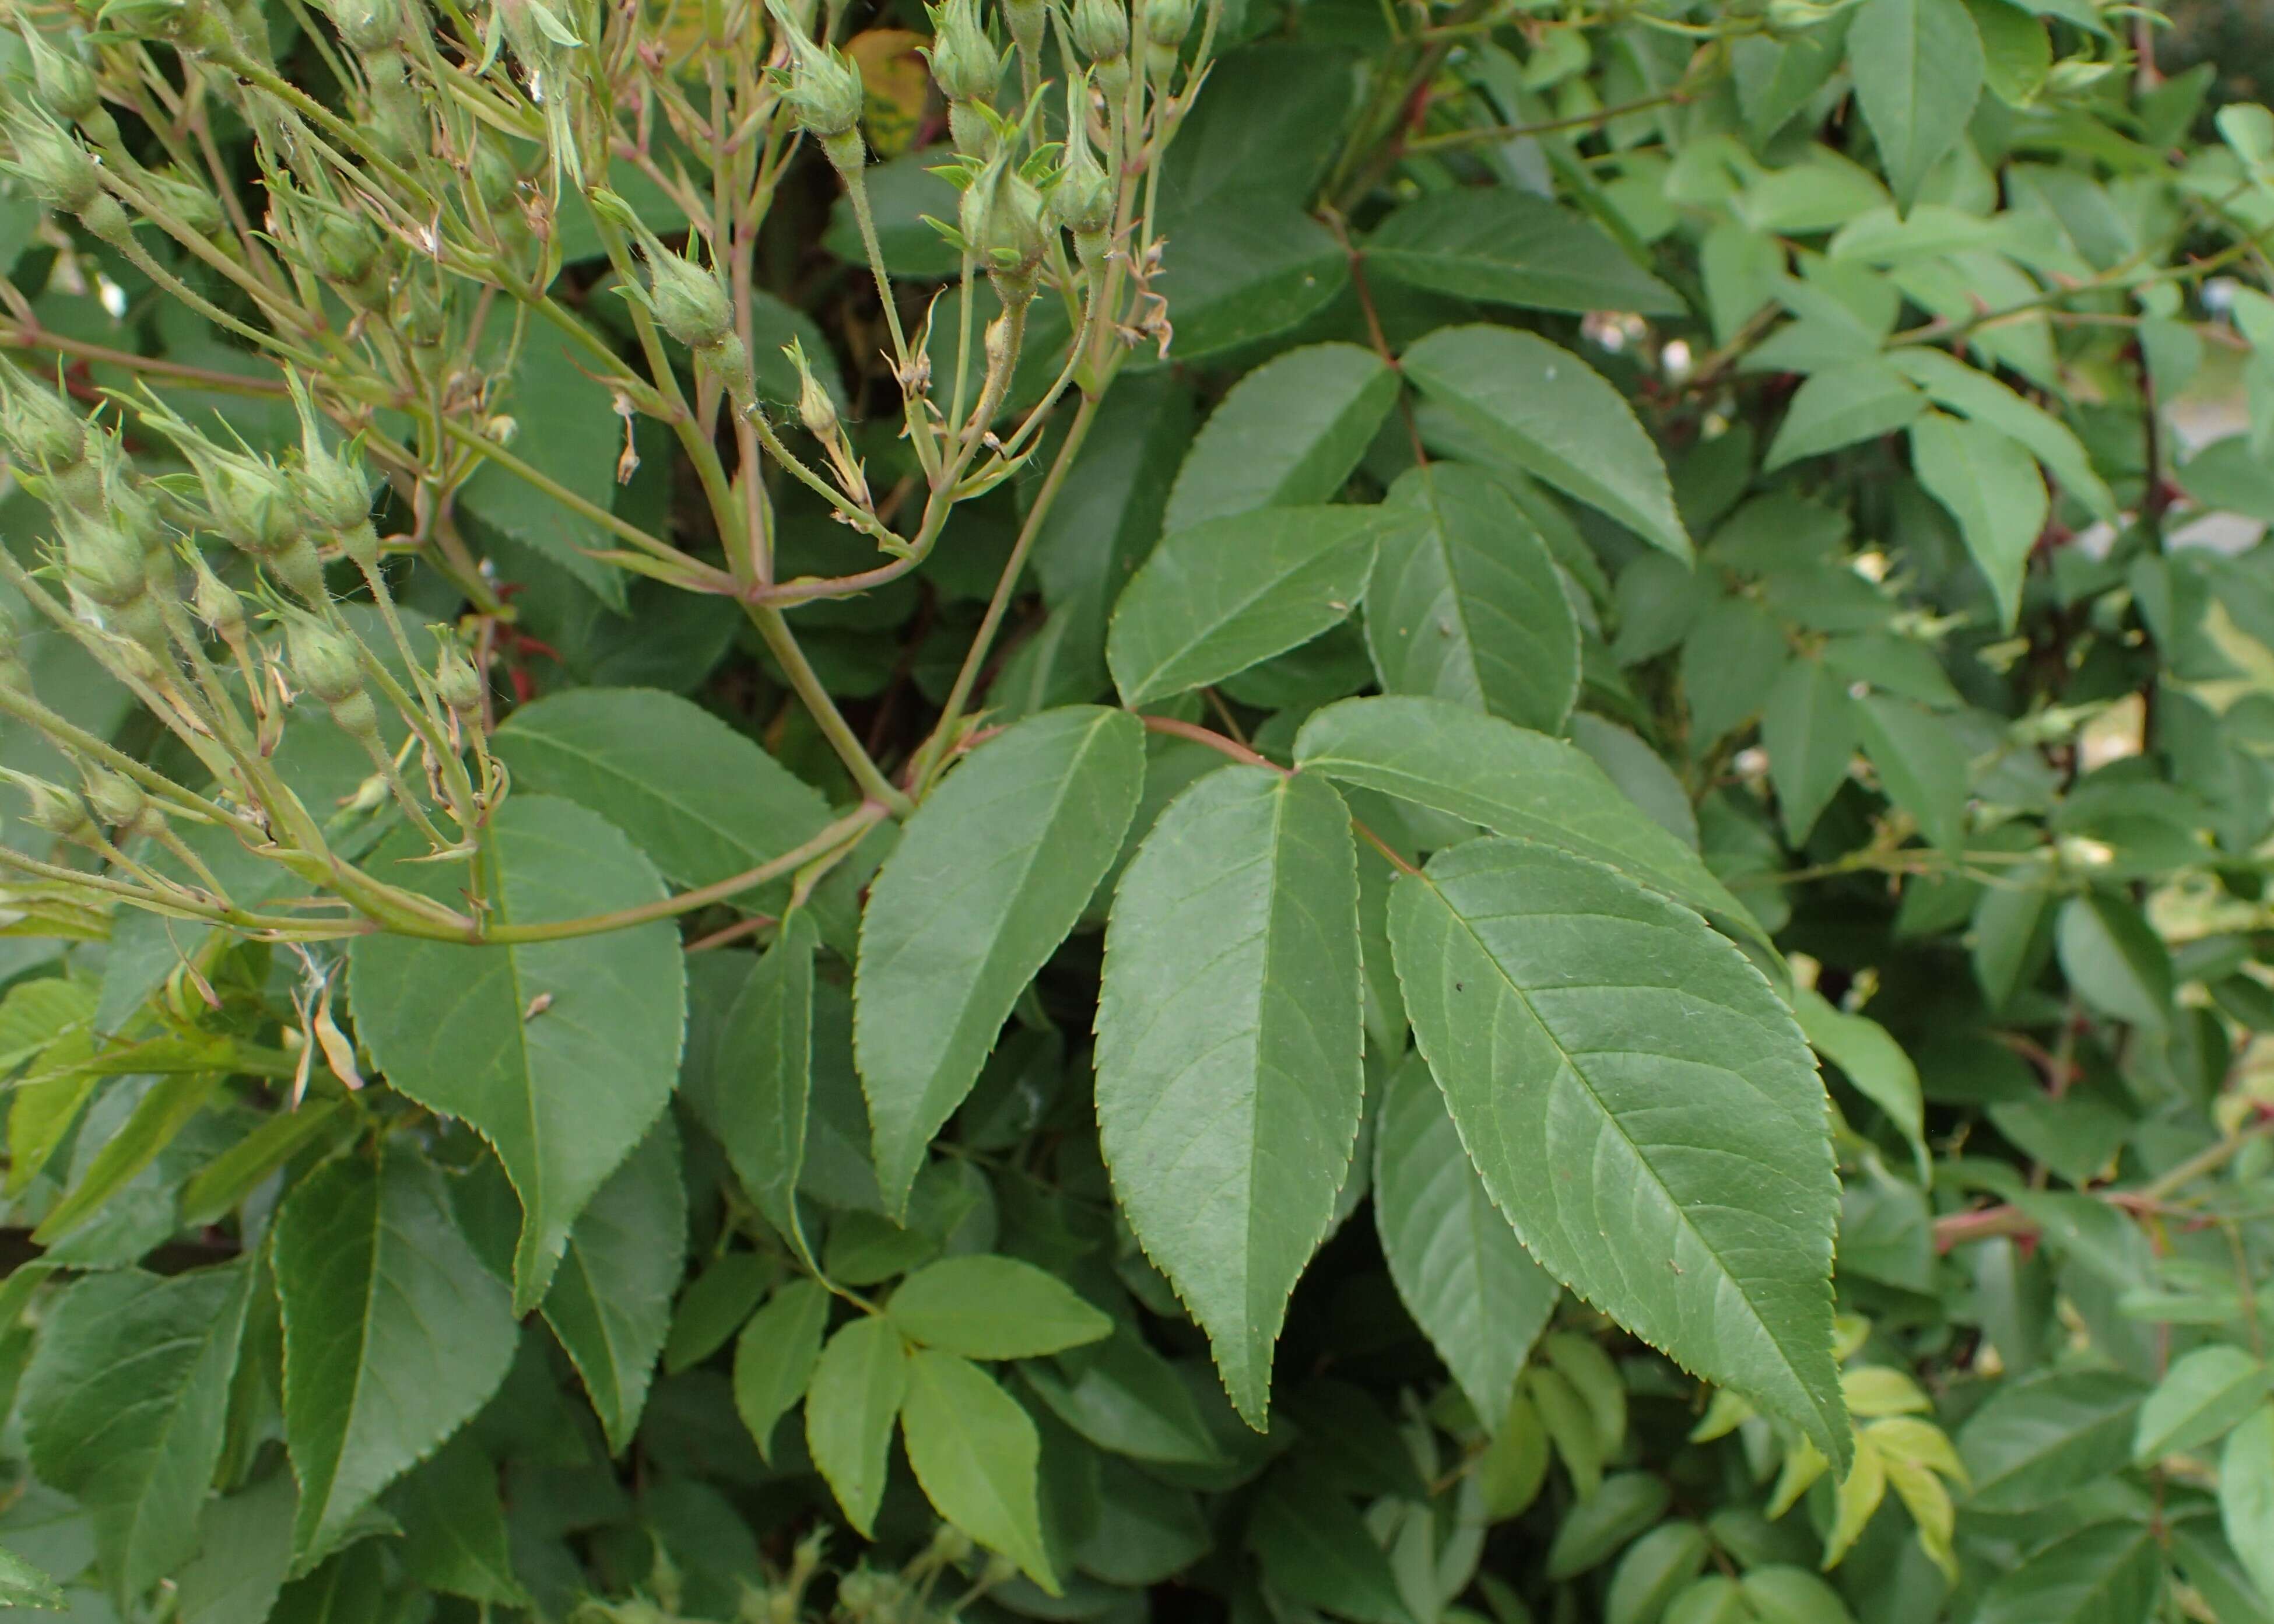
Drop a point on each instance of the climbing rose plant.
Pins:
(1263, 809)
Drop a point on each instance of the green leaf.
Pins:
(715, 1304)
(1465, 602)
(1594, 1530)
(1250, 266)
(394, 1333)
(2016, 51)
(123, 1404)
(2038, 1441)
(2109, 1574)
(1918, 70)
(2246, 1496)
(567, 429)
(23, 1585)
(1228, 1045)
(1807, 727)
(2113, 958)
(1502, 246)
(1460, 1269)
(1549, 412)
(1873, 1061)
(857, 1387)
(229, 1177)
(157, 1117)
(1123, 1396)
(703, 801)
(37, 1013)
(975, 1453)
(988, 878)
(1921, 763)
(986, 1307)
(1781, 1594)
(775, 1356)
(1108, 514)
(2205, 1393)
(1513, 782)
(244, 1551)
(1287, 435)
(1314, 1549)
(1977, 396)
(610, 1304)
(560, 1054)
(1640, 1104)
(755, 1094)
(1841, 405)
(1225, 594)
(454, 1532)
(1990, 484)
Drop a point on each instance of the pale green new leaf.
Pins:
(1554, 415)
(1499, 245)
(982, 1307)
(1512, 781)
(1841, 405)
(1990, 484)
(1641, 1105)
(988, 876)
(394, 1333)
(755, 1094)
(123, 1404)
(560, 1054)
(23, 1585)
(775, 1356)
(1465, 602)
(610, 1304)
(1460, 1269)
(976, 1454)
(1287, 435)
(1229, 1045)
(1227, 593)
(2246, 1496)
(1918, 71)
(856, 1391)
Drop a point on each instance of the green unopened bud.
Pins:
(1166, 22)
(324, 661)
(497, 181)
(192, 204)
(347, 249)
(214, 601)
(1101, 30)
(1081, 194)
(253, 505)
(690, 303)
(1002, 218)
(66, 85)
(54, 809)
(426, 318)
(102, 561)
(822, 90)
(118, 800)
(141, 631)
(367, 26)
(38, 427)
(964, 64)
(456, 682)
(814, 408)
(331, 491)
(49, 159)
(1026, 19)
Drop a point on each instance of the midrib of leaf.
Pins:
(532, 1200)
(171, 1420)
(1570, 1064)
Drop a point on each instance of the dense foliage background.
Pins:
(1059, 817)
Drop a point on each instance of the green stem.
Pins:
(782, 643)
